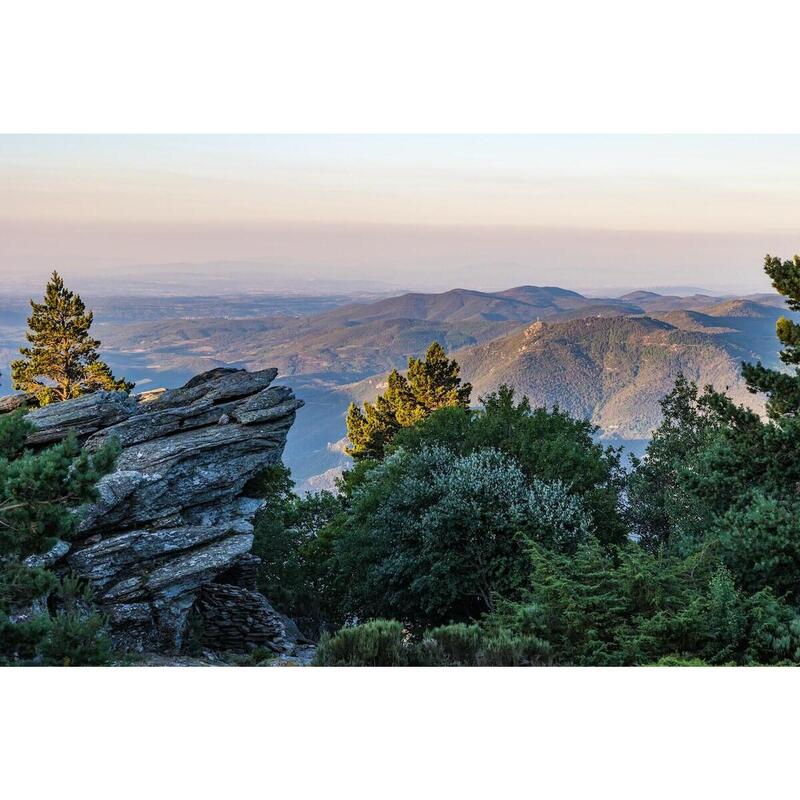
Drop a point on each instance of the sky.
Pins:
(584, 212)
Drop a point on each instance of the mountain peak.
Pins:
(538, 291)
(641, 294)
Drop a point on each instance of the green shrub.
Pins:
(379, 643)
(679, 661)
(501, 650)
(427, 653)
(76, 640)
(39, 492)
(20, 641)
(21, 585)
(459, 644)
(385, 643)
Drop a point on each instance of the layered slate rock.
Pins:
(232, 618)
(174, 514)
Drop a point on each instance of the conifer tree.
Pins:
(432, 383)
(782, 389)
(435, 381)
(62, 361)
(39, 493)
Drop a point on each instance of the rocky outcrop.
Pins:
(174, 514)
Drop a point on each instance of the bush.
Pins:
(379, 643)
(20, 641)
(21, 585)
(558, 518)
(385, 643)
(458, 644)
(679, 661)
(76, 640)
(501, 650)
(547, 445)
(39, 492)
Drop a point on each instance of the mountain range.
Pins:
(609, 359)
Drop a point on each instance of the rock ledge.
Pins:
(173, 515)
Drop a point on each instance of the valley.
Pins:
(608, 359)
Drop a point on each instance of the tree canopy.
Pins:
(431, 383)
(62, 361)
(441, 527)
(432, 536)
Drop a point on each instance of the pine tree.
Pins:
(39, 493)
(432, 383)
(62, 361)
(370, 430)
(435, 383)
(782, 389)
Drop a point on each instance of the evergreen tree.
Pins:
(62, 361)
(658, 503)
(432, 383)
(782, 389)
(435, 383)
(39, 493)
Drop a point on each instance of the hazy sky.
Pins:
(482, 211)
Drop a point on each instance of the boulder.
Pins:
(174, 514)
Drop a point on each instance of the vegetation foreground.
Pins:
(502, 535)
(505, 535)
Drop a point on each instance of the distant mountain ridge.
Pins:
(355, 339)
(608, 359)
(520, 303)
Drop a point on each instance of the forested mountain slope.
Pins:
(612, 371)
